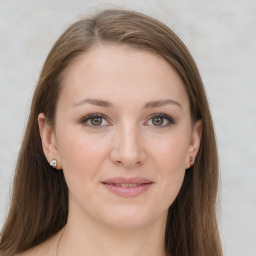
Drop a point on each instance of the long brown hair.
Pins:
(39, 205)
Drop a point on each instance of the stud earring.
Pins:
(53, 163)
(191, 160)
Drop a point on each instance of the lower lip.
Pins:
(128, 192)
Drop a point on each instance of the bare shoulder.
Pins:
(40, 250)
(47, 248)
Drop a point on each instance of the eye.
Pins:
(160, 120)
(95, 120)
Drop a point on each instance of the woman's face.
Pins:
(123, 136)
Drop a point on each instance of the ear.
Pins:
(48, 139)
(194, 143)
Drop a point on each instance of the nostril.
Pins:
(128, 164)
(127, 151)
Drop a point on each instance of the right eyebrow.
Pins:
(97, 102)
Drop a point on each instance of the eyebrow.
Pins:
(160, 103)
(107, 104)
(100, 103)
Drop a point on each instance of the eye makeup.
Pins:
(98, 120)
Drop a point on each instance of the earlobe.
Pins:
(194, 143)
(48, 139)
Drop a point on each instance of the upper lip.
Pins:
(131, 180)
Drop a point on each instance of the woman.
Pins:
(119, 155)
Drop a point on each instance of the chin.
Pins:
(127, 218)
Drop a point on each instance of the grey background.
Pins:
(221, 36)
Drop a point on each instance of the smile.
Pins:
(127, 187)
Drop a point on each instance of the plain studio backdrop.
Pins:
(220, 34)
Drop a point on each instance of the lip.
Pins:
(113, 185)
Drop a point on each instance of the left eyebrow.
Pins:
(160, 103)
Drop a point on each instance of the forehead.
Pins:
(118, 73)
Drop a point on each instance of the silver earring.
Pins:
(53, 163)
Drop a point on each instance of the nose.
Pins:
(127, 147)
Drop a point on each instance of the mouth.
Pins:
(127, 187)
(123, 185)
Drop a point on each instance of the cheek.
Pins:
(81, 157)
(169, 157)
(172, 164)
(171, 153)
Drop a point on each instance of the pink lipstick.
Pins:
(127, 187)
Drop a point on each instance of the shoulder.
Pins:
(47, 248)
(39, 250)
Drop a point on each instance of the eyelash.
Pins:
(90, 116)
(87, 118)
(169, 119)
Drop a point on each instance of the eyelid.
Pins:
(165, 116)
(87, 117)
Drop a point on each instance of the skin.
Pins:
(127, 142)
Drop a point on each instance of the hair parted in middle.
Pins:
(39, 206)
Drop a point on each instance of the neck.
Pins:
(89, 238)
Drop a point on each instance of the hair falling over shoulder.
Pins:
(39, 204)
